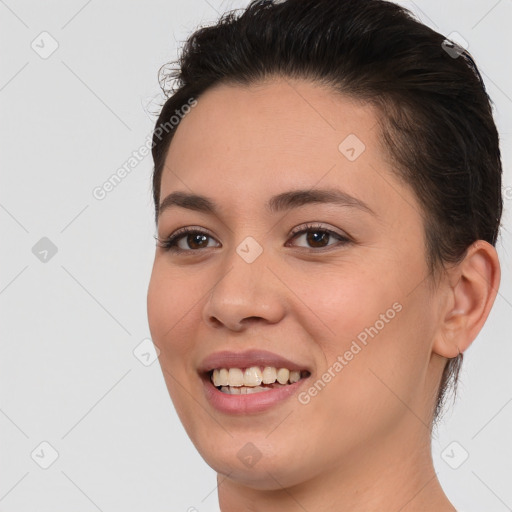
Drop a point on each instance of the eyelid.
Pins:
(185, 230)
(310, 226)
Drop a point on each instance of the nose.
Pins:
(246, 293)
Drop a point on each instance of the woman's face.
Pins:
(332, 279)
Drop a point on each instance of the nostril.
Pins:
(214, 321)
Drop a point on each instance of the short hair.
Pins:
(435, 117)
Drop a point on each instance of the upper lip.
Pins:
(246, 359)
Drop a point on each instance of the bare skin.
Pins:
(362, 443)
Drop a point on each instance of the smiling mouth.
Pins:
(255, 379)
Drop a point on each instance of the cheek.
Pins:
(172, 318)
(171, 302)
(380, 334)
(173, 307)
(378, 380)
(344, 304)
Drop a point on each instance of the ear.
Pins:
(472, 286)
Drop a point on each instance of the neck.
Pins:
(392, 473)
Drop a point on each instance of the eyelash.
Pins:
(170, 243)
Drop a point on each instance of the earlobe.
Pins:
(471, 293)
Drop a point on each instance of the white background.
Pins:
(68, 375)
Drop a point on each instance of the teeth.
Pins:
(294, 376)
(220, 377)
(236, 377)
(239, 380)
(243, 390)
(269, 375)
(223, 377)
(257, 389)
(252, 376)
(283, 374)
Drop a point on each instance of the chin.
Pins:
(263, 468)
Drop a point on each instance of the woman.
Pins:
(327, 190)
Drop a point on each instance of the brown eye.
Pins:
(318, 237)
(197, 240)
(188, 240)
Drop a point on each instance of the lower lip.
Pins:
(252, 403)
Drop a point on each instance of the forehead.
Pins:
(245, 143)
(282, 118)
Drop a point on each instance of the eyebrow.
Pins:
(279, 203)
